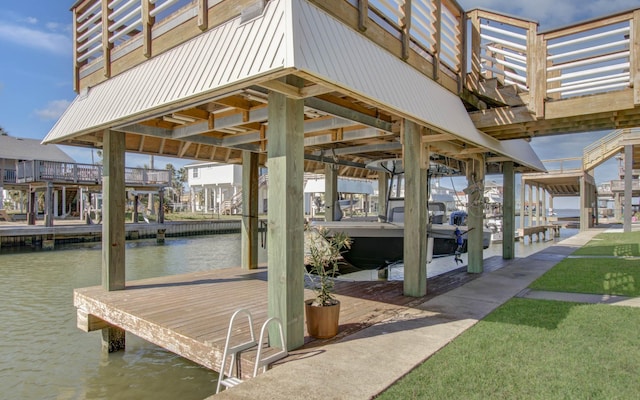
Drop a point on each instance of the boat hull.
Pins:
(377, 244)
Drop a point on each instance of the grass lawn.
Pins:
(592, 275)
(535, 349)
(612, 244)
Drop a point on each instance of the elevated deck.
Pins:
(39, 172)
(523, 83)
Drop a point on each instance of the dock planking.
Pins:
(188, 314)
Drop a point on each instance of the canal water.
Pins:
(44, 356)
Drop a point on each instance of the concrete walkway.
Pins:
(364, 364)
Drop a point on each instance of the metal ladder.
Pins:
(232, 380)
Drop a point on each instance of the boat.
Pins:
(376, 244)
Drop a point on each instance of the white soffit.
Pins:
(328, 49)
(227, 54)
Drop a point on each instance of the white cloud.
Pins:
(36, 39)
(53, 110)
(31, 20)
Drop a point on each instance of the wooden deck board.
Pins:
(189, 314)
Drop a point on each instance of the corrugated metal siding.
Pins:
(225, 55)
(332, 51)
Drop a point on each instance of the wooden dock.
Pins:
(538, 230)
(189, 314)
(21, 235)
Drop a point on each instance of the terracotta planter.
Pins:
(322, 322)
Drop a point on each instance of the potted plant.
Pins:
(323, 257)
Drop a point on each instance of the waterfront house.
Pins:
(14, 150)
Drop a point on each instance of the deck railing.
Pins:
(601, 150)
(563, 165)
(105, 31)
(8, 176)
(589, 58)
(501, 48)
(433, 29)
(618, 185)
(62, 172)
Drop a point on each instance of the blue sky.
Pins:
(36, 75)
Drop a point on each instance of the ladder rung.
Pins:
(231, 382)
(242, 347)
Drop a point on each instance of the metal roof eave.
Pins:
(191, 72)
(361, 67)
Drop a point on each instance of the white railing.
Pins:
(62, 172)
(88, 30)
(606, 147)
(9, 176)
(618, 185)
(563, 165)
(504, 52)
(124, 22)
(590, 61)
(424, 26)
(598, 150)
(451, 39)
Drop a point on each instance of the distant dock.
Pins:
(75, 231)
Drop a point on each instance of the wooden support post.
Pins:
(474, 83)
(135, 209)
(332, 210)
(48, 205)
(33, 208)
(538, 205)
(113, 339)
(160, 235)
(285, 235)
(617, 208)
(383, 192)
(106, 35)
(203, 15)
(585, 214)
(161, 206)
(147, 26)
(363, 14)
(475, 179)
(113, 232)
(508, 211)
(405, 26)
(249, 232)
(523, 191)
(628, 182)
(113, 197)
(437, 45)
(415, 210)
(635, 57)
(530, 219)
